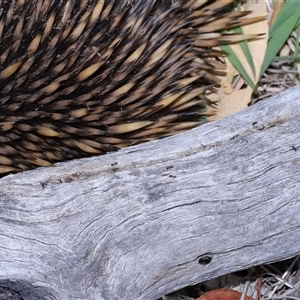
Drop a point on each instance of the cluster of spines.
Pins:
(81, 78)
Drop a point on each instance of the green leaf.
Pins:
(237, 64)
(285, 23)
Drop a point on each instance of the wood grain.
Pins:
(149, 219)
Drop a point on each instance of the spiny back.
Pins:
(81, 78)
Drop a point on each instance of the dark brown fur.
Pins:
(81, 78)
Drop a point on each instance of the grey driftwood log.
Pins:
(144, 221)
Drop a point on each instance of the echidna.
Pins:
(84, 77)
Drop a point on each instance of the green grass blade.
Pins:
(238, 65)
(287, 20)
(245, 48)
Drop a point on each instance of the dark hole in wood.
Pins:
(205, 259)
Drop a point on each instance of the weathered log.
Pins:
(149, 219)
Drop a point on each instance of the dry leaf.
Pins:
(229, 99)
(223, 294)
